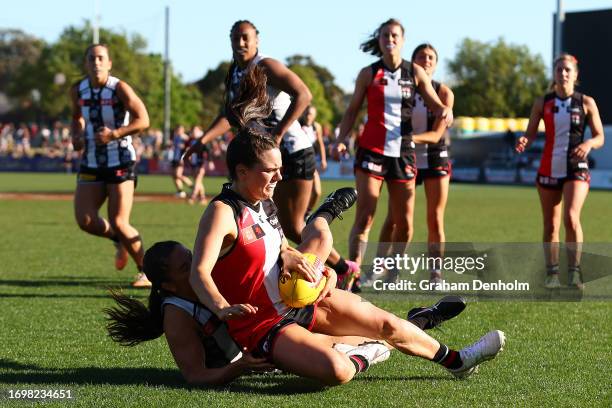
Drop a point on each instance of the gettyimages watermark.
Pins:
(508, 271)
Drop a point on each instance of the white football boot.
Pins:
(374, 351)
(484, 349)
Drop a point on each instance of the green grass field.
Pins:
(54, 280)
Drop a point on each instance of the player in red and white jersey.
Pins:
(235, 274)
(563, 176)
(432, 161)
(106, 112)
(200, 342)
(386, 148)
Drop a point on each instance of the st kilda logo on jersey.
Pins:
(252, 233)
(406, 87)
(273, 220)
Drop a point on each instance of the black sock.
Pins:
(552, 269)
(328, 216)
(341, 267)
(447, 357)
(114, 238)
(360, 363)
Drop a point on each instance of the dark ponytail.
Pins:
(246, 112)
(370, 46)
(251, 103)
(130, 322)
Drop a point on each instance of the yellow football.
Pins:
(297, 292)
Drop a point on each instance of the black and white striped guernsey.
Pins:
(220, 349)
(102, 107)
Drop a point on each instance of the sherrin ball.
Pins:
(297, 292)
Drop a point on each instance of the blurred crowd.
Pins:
(54, 141)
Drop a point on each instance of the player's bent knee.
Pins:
(323, 237)
(389, 325)
(84, 221)
(341, 371)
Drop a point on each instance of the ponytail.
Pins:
(131, 322)
(251, 103)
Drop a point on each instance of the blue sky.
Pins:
(328, 30)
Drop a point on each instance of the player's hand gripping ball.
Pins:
(297, 292)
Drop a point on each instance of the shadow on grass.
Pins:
(32, 296)
(14, 372)
(63, 281)
(388, 378)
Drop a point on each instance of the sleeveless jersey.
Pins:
(311, 133)
(390, 103)
(428, 156)
(564, 122)
(220, 349)
(102, 107)
(294, 139)
(249, 272)
(178, 147)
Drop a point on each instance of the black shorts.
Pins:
(114, 175)
(436, 172)
(557, 183)
(398, 169)
(304, 316)
(300, 165)
(176, 163)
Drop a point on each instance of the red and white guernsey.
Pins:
(564, 121)
(390, 103)
(249, 272)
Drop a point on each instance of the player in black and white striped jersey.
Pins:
(106, 113)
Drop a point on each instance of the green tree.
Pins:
(497, 80)
(61, 65)
(325, 113)
(17, 50)
(212, 89)
(332, 101)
